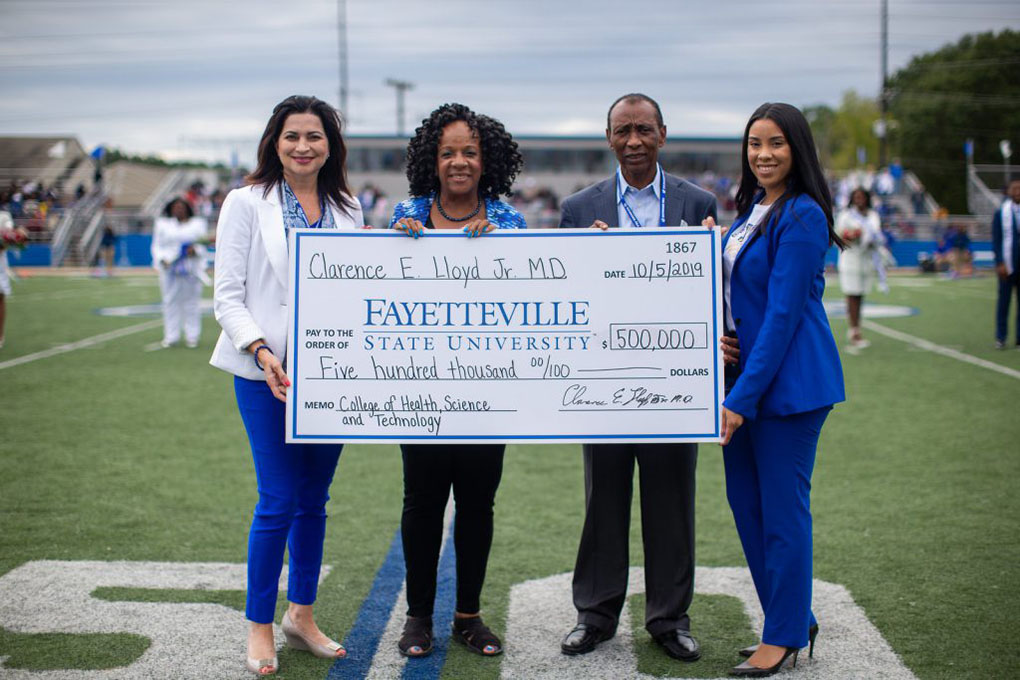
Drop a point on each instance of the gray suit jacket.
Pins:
(684, 201)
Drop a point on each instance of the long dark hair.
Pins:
(805, 176)
(332, 179)
(501, 161)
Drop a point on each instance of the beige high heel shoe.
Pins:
(256, 666)
(295, 639)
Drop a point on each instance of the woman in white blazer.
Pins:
(179, 256)
(860, 227)
(300, 181)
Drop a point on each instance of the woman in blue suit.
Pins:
(789, 374)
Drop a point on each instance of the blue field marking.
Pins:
(431, 666)
(362, 641)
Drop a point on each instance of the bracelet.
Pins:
(255, 356)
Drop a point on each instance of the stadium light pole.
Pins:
(883, 97)
(401, 86)
(341, 24)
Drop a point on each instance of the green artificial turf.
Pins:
(55, 651)
(719, 624)
(114, 452)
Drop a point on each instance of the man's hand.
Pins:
(730, 348)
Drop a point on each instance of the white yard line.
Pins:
(81, 344)
(929, 346)
(71, 293)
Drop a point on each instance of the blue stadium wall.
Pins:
(135, 250)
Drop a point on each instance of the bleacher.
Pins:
(59, 162)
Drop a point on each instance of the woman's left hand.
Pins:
(478, 227)
(731, 421)
(276, 377)
(709, 223)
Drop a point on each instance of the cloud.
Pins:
(145, 75)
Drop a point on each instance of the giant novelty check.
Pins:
(517, 336)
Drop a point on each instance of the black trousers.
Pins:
(1007, 287)
(430, 471)
(667, 531)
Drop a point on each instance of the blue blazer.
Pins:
(788, 358)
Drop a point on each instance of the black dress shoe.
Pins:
(584, 638)
(679, 644)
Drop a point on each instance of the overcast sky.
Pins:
(191, 78)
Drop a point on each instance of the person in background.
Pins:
(789, 373)
(959, 253)
(300, 181)
(458, 164)
(1006, 248)
(178, 256)
(883, 258)
(639, 194)
(861, 230)
(8, 235)
(380, 207)
(108, 249)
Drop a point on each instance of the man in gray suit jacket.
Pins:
(641, 194)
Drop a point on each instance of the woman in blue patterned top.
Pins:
(458, 164)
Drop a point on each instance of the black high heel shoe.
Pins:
(812, 634)
(746, 670)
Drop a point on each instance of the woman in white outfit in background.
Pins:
(179, 257)
(860, 227)
(6, 224)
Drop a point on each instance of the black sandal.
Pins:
(416, 639)
(476, 636)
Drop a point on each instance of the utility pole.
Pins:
(341, 23)
(401, 86)
(883, 97)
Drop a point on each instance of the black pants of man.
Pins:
(1007, 287)
(667, 529)
(473, 471)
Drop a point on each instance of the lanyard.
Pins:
(662, 200)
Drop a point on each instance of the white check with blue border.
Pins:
(536, 336)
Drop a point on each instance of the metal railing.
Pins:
(88, 244)
(981, 199)
(75, 220)
(167, 188)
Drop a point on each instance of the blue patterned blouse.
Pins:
(502, 215)
(294, 215)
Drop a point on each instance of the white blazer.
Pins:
(251, 283)
(168, 235)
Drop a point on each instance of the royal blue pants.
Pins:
(768, 483)
(293, 482)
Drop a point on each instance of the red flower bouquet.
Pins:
(13, 238)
